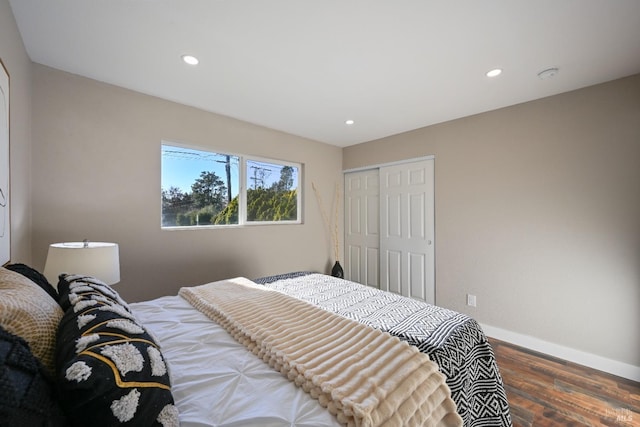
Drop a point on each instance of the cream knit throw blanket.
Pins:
(363, 376)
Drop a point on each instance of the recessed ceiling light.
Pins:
(349, 122)
(190, 59)
(494, 73)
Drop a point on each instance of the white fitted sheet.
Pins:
(215, 380)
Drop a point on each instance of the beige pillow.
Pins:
(28, 311)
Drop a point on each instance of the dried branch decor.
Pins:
(333, 231)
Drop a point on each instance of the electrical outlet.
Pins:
(471, 300)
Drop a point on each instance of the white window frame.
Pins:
(242, 209)
(242, 189)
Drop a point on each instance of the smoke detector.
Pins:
(548, 73)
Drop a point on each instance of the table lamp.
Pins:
(97, 259)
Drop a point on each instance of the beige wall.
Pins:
(15, 59)
(538, 214)
(96, 175)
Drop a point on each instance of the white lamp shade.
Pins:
(97, 259)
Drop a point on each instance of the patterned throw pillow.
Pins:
(36, 277)
(110, 370)
(27, 393)
(28, 312)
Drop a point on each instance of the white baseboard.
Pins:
(600, 363)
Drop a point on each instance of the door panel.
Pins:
(416, 221)
(407, 221)
(355, 217)
(372, 269)
(362, 233)
(393, 282)
(417, 275)
(393, 216)
(352, 268)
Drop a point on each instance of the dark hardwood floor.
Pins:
(546, 391)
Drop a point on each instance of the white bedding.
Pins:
(217, 381)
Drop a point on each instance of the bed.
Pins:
(190, 371)
(453, 340)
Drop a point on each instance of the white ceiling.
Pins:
(306, 66)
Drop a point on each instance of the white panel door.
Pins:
(362, 227)
(407, 230)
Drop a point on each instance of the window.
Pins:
(204, 188)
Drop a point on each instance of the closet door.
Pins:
(407, 230)
(362, 234)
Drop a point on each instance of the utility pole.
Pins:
(255, 178)
(227, 168)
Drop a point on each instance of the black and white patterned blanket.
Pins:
(453, 340)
